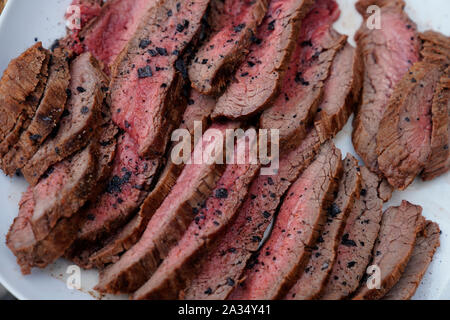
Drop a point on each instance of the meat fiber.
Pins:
(435, 48)
(387, 54)
(233, 23)
(257, 81)
(283, 257)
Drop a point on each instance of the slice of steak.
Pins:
(46, 117)
(341, 92)
(297, 226)
(259, 77)
(394, 246)
(323, 256)
(220, 209)
(303, 85)
(404, 136)
(172, 218)
(225, 264)
(234, 22)
(199, 108)
(79, 120)
(148, 78)
(439, 161)
(426, 244)
(360, 233)
(388, 53)
(435, 48)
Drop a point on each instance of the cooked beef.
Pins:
(303, 85)
(439, 161)
(323, 256)
(21, 88)
(341, 93)
(404, 136)
(393, 249)
(147, 98)
(83, 113)
(258, 79)
(234, 22)
(199, 109)
(171, 220)
(387, 53)
(426, 244)
(360, 233)
(436, 47)
(46, 118)
(219, 210)
(284, 255)
(225, 263)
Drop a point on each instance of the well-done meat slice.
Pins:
(148, 78)
(323, 256)
(388, 53)
(303, 85)
(46, 118)
(199, 108)
(426, 244)
(224, 265)
(172, 218)
(297, 226)
(341, 92)
(233, 23)
(221, 207)
(360, 233)
(78, 125)
(439, 161)
(394, 246)
(404, 136)
(258, 79)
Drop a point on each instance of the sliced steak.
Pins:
(46, 117)
(426, 244)
(234, 22)
(360, 233)
(148, 79)
(394, 246)
(225, 264)
(199, 108)
(439, 161)
(323, 256)
(303, 85)
(404, 136)
(388, 53)
(171, 220)
(258, 79)
(341, 92)
(284, 255)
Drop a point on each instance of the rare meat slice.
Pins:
(79, 120)
(323, 256)
(219, 210)
(297, 226)
(394, 246)
(46, 117)
(439, 161)
(404, 136)
(148, 78)
(341, 92)
(426, 244)
(258, 79)
(21, 88)
(388, 53)
(435, 48)
(303, 85)
(360, 233)
(172, 218)
(223, 266)
(233, 23)
(197, 112)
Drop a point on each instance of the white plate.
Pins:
(24, 20)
